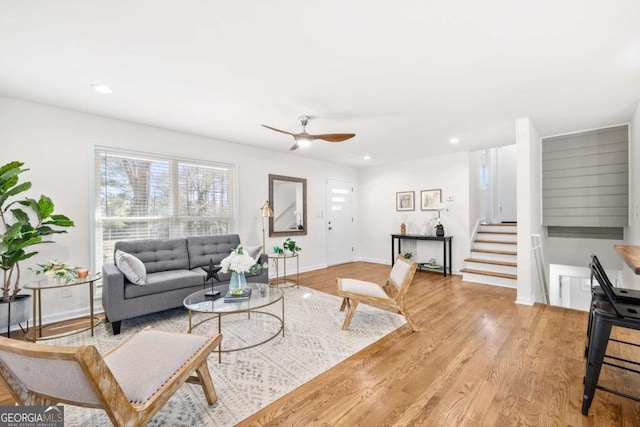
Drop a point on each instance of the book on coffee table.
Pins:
(229, 297)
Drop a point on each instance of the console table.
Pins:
(285, 282)
(42, 285)
(447, 243)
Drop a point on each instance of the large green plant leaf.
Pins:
(45, 207)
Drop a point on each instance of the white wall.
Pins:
(529, 202)
(477, 195)
(57, 146)
(379, 219)
(630, 280)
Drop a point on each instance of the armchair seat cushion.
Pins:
(161, 353)
(363, 288)
(163, 281)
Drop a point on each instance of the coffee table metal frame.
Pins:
(197, 302)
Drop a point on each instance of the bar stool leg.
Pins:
(600, 332)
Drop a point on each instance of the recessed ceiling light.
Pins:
(101, 88)
(454, 140)
(367, 157)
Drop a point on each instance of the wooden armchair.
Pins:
(131, 382)
(390, 295)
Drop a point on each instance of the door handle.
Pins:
(330, 228)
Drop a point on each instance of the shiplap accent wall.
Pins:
(585, 181)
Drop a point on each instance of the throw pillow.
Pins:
(253, 251)
(132, 268)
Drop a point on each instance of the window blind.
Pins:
(146, 196)
(585, 179)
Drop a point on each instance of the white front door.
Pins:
(339, 222)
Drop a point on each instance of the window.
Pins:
(145, 196)
(585, 183)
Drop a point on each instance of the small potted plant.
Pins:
(407, 255)
(439, 230)
(58, 270)
(290, 245)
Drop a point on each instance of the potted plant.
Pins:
(407, 255)
(290, 245)
(23, 224)
(59, 270)
(439, 230)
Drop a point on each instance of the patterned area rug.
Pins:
(249, 380)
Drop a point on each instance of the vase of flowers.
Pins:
(238, 263)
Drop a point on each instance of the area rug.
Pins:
(247, 381)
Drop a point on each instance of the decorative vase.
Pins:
(403, 229)
(237, 283)
(440, 232)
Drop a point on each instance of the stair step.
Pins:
(490, 261)
(489, 273)
(495, 241)
(498, 232)
(488, 251)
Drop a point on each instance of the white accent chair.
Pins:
(390, 295)
(131, 383)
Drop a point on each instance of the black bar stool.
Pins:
(623, 295)
(605, 314)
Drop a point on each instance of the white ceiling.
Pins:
(404, 76)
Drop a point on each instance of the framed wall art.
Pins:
(430, 200)
(405, 201)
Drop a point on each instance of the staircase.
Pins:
(493, 256)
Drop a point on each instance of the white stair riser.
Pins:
(494, 268)
(490, 280)
(494, 246)
(494, 257)
(510, 228)
(500, 237)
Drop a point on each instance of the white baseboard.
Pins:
(66, 315)
(525, 300)
(374, 260)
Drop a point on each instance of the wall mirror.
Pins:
(288, 199)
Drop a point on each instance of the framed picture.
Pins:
(430, 200)
(405, 201)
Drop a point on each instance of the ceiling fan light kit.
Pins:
(303, 139)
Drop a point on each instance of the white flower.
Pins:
(238, 261)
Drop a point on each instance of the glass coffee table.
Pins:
(262, 295)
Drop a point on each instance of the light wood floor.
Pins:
(478, 360)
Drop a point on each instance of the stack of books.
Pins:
(229, 297)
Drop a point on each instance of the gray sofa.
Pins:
(174, 270)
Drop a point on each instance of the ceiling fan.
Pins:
(303, 139)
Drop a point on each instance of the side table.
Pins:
(37, 287)
(285, 283)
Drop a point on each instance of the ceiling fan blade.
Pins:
(294, 146)
(278, 130)
(334, 137)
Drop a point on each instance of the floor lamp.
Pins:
(267, 212)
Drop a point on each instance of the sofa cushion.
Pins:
(163, 281)
(158, 255)
(253, 251)
(204, 248)
(132, 268)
